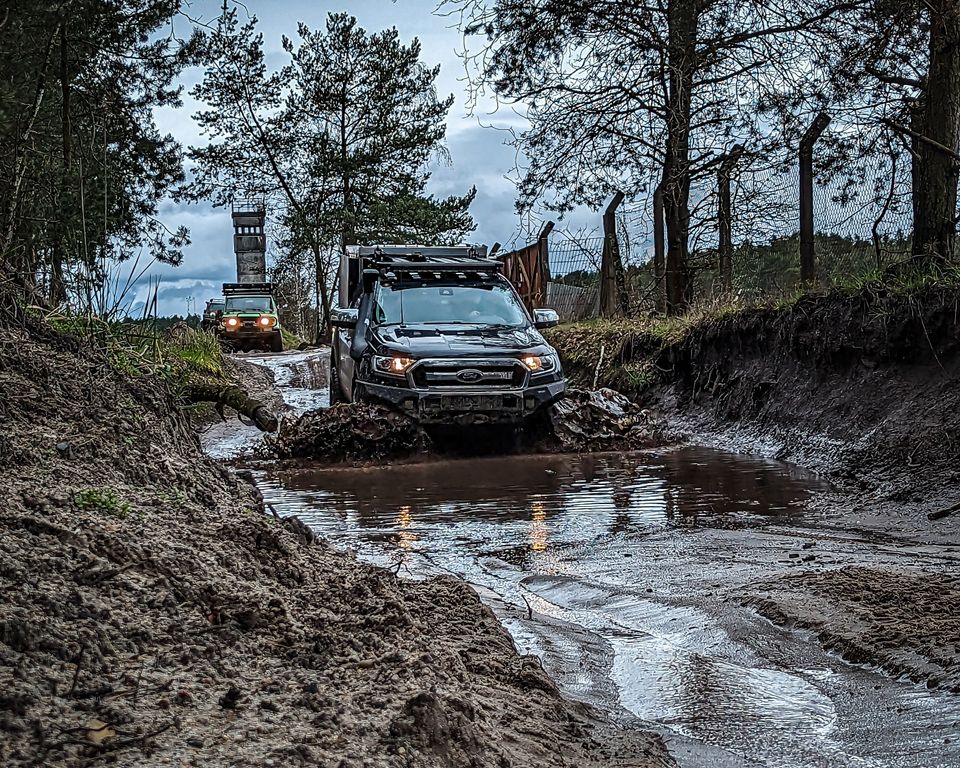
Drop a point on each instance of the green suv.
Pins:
(250, 319)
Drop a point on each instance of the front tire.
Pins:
(276, 342)
(358, 393)
(336, 394)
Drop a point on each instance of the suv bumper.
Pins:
(468, 406)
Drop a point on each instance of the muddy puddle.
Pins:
(625, 573)
(523, 507)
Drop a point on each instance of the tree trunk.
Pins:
(683, 19)
(658, 248)
(58, 283)
(235, 397)
(323, 304)
(936, 172)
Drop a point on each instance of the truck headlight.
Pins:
(539, 363)
(231, 322)
(392, 366)
(266, 321)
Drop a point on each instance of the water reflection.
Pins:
(536, 503)
(538, 527)
(405, 536)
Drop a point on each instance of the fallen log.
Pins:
(942, 513)
(237, 398)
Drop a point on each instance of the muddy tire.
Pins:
(276, 342)
(336, 394)
(359, 393)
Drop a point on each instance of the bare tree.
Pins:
(630, 94)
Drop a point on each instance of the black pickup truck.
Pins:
(440, 334)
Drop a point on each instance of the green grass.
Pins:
(137, 348)
(290, 340)
(105, 500)
(199, 350)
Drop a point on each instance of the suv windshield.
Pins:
(440, 304)
(249, 304)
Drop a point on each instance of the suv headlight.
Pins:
(540, 363)
(392, 365)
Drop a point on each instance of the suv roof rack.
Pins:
(234, 289)
(447, 264)
(418, 251)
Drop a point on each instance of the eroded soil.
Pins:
(154, 613)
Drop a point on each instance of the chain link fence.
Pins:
(862, 221)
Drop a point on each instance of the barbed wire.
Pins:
(862, 223)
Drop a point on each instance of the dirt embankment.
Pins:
(153, 613)
(863, 388)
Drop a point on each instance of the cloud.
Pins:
(480, 156)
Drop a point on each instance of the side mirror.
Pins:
(545, 318)
(344, 318)
(370, 277)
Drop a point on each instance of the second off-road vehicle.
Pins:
(440, 334)
(249, 318)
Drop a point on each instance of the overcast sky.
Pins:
(476, 141)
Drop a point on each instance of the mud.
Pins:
(155, 614)
(350, 432)
(303, 377)
(584, 421)
(630, 576)
(863, 388)
(906, 622)
(866, 390)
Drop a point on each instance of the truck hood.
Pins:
(459, 340)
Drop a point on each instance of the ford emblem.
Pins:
(470, 375)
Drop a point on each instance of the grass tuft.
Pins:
(105, 500)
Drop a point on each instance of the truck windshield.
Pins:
(453, 304)
(249, 304)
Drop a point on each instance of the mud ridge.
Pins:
(154, 613)
(584, 421)
(906, 623)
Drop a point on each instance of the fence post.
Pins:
(725, 217)
(613, 299)
(808, 263)
(542, 266)
(658, 248)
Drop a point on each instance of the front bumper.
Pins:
(468, 406)
(247, 332)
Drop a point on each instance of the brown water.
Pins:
(606, 567)
(549, 499)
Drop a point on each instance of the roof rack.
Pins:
(250, 289)
(419, 251)
(446, 264)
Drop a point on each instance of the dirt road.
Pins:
(644, 582)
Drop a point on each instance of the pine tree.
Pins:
(339, 139)
(82, 166)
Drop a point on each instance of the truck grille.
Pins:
(469, 374)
